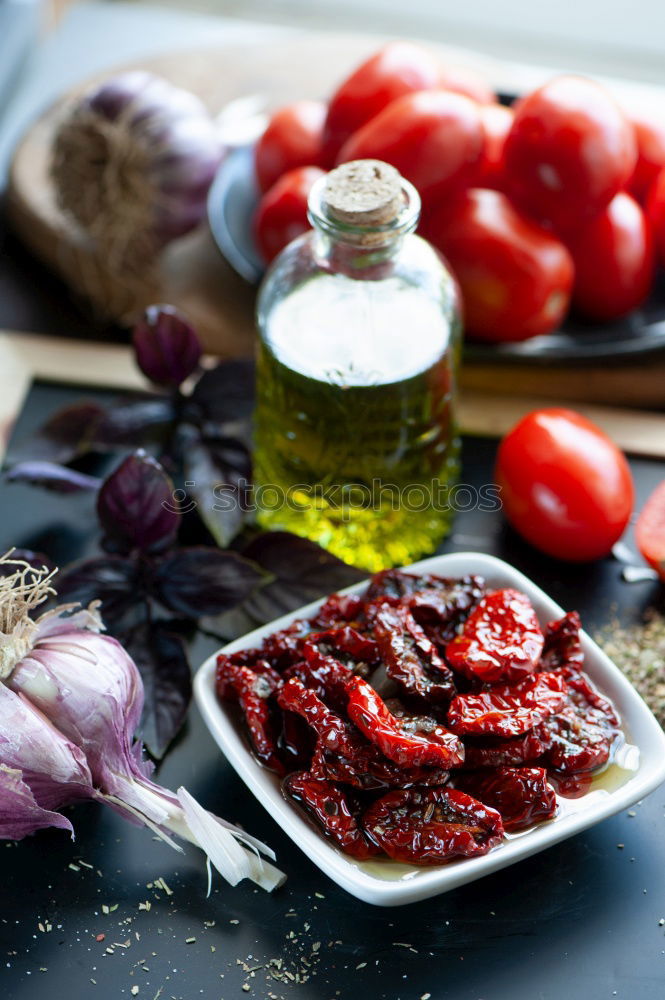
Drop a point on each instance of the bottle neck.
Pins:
(361, 252)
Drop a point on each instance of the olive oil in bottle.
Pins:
(356, 446)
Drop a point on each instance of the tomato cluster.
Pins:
(424, 718)
(556, 203)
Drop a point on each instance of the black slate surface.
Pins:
(580, 920)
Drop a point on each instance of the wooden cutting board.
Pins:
(192, 273)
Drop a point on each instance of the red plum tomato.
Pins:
(650, 530)
(515, 277)
(614, 261)
(569, 151)
(398, 68)
(565, 486)
(292, 139)
(434, 138)
(281, 214)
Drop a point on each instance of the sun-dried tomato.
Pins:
(329, 805)
(408, 740)
(501, 639)
(342, 752)
(296, 741)
(563, 646)
(252, 691)
(396, 583)
(521, 794)
(509, 710)
(488, 751)
(581, 739)
(373, 771)
(345, 644)
(440, 609)
(410, 658)
(285, 647)
(339, 609)
(584, 693)
(427, 826)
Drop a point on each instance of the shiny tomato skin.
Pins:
(649, 126)
(396, 69)
(281, 214)
(565, 486)
(655, 208)
(434, 138)
(293, 138)
(516, 277)
(650, 530)
(614, 261)
(497, 121)
(569, 151)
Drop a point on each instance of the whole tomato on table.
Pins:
(613, 256)
(565, 486)
(515, 277)
(397, 69)
(434, 138)
(292, 139)
(281, 215)
(569, 152)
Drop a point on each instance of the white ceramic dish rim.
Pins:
(640, 725)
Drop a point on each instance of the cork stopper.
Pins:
(364, 193)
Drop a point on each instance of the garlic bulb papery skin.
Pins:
(81, 689)
(132, 163)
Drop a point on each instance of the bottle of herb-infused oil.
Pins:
(359, 323)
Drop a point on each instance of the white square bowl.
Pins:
(387, 883)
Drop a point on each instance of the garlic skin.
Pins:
(132, 163)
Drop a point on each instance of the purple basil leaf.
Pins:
(162, 660)
(204, 581)
(137, 507)
(167, 348)
(35, 559)
(54, 477)
(226, 393)
(133, 422)
(302, 572)
(219, 489)
(113, 580)
(66, 436)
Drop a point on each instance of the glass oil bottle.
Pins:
(359, 326)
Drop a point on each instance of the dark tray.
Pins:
(231, 204)
(579, 921)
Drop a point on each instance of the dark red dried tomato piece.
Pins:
(285, 647)
(521, 794)
(581, 739)
(442, 608)
(410, 658)
(427, 826)
(345, 644)
(410, 741)
(509, 710)
(329, 805)
(563, 646)
(252, 691)
(327, 677)
(342, 752)
(297, 742)
(339, 609)
(584, 693)
(378, 773)
(501, 639)
(396, 583)
(492, 752)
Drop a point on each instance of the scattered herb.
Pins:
(639, 651)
